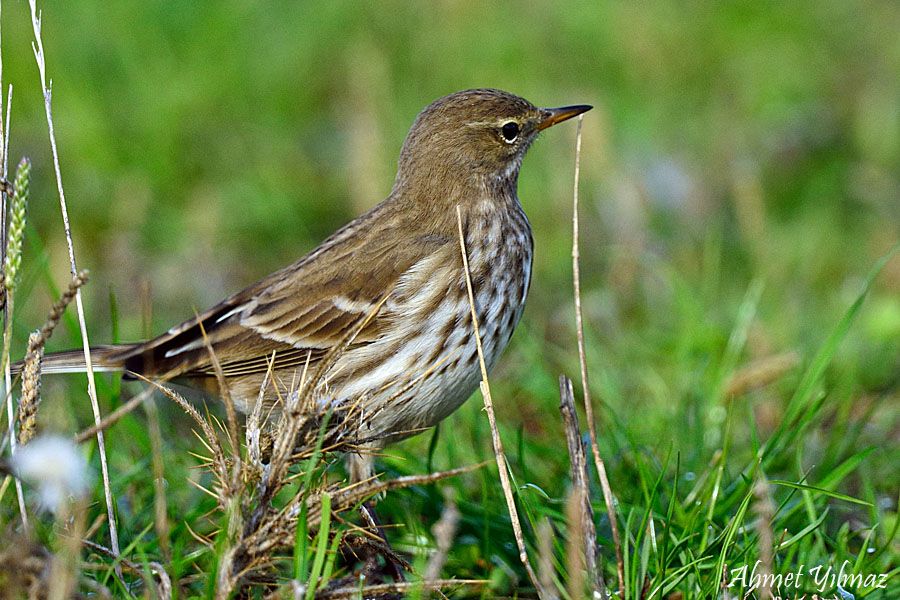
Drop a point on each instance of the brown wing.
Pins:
(298, 312)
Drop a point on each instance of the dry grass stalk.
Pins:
(585, 387)
(245, 488)
(230, 494)
(31, 389)
(160, 502)
(56, 311)
(4, 164)
(760, 373)
(6, 193)
(295, 436)
(225, 491)
(578, 461)
(5, 136)
(210, 439)
(64, 568)
(164, 584)
(499, 455)
(31, 371)
(545, 557)
(38, 48)
(576, 565)
(12, 260)
(253, 433)
(225, 395)
(24, 566)
(114, 417)
(765, 512)
(301, 405)
(279, 530)
(444, 533)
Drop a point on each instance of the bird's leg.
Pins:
(361, 465)
(394, 564)
(361, 468)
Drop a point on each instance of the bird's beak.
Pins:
(552, 116)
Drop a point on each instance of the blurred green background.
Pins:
(204, 145)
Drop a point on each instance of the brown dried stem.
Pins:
(114, 417)
(588, 405)
(580, 490)
(297, 411)
(444, 532)
(225, 394)
(12, 260)
(576, 567)
(56, 311)
(64, 568)
(160, 501)
(545, 557)
(220, 465)
(765, 512)
(279, 530)
(499, 455)
(760, 373)
(31, 369)
(163, 586)
(31, 389)
(38, 48)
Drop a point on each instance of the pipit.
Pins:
(389, 286)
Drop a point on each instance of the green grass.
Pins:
(739, 201)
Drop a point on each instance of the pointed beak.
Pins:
(552, 116)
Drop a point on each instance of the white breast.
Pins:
(427, 366)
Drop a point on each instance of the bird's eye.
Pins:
(510, 131)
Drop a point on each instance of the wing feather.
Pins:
(300, 311)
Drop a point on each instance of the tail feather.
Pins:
(103, 359)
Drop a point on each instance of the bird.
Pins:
(390, 285)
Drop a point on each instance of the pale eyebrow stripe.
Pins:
(497, 123)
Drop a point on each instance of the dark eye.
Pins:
(510, 131)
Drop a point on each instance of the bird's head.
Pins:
(475, 134)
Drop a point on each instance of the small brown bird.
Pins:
(395, 274)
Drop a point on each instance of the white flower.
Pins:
(55, 466)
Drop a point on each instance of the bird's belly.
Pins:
(417, 376)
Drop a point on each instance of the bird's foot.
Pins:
(375, 546)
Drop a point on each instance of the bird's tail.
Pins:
(103, 359)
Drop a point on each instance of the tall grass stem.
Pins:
(582, 361)
(502, 465)
(38, 48)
